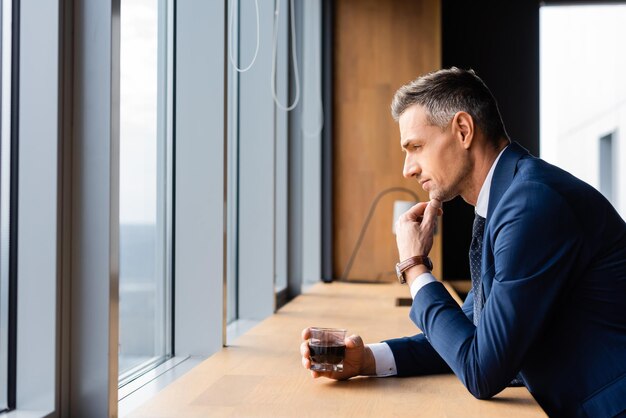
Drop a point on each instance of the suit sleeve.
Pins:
(536, 242)
(414, 356)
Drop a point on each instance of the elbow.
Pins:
(482, 390)
(483, 380)
(482, 394)
(480, 383)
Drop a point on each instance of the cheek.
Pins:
(440, 178)
(450, 162)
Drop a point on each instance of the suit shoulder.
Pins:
(556, 180)
(538, 185)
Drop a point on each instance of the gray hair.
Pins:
(445, 92)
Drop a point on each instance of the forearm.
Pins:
(415, 356)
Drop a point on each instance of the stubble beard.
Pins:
(445, 194)
(441, 195)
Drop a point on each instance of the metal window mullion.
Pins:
(95, 211)
(14, 77)
(13, 203)
(5, 187)
(164, 177)
(281, 149)
(232, 164)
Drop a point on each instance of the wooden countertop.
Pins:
(261, 374)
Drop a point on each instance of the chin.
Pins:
(440, 196)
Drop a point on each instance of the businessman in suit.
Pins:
(547, 307)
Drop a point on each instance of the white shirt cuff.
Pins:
(385, 363)
(421, 281)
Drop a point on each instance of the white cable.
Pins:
(230, 36)
(293, 53)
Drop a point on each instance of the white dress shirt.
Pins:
(385, 363)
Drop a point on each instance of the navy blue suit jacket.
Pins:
(554, 279)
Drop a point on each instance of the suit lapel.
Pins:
(503, 176)
(501, 180)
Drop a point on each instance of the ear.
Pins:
(463, 128)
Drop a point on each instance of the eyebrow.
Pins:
(408, 142)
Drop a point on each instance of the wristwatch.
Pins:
(403, 266)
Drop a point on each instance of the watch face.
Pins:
(400, 274)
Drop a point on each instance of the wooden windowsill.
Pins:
(261, 373)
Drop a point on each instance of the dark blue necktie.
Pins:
(475, 256)
(475, 259)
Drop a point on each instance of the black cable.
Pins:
(344, 276)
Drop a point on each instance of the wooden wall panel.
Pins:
(379, 45)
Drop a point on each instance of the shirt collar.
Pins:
(482, 204)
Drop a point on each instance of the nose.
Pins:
(411, 167)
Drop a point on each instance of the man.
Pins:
(548, 262)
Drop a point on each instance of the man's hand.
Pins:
(416, 227)
(359, 359)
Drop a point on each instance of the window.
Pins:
(275, 121)
(256, 56)
(583, 94)
(145, 309)
(257, 156)
(6, 223)
(107, 76)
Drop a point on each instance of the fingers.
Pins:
(415, 212)
(435, 203)
(304, 350)
(306, 334)
(306, 355)
(353, 341)
(430, 215)
(306, 363)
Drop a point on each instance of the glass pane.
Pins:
(5, 172)
(145, 186)
(583, 94)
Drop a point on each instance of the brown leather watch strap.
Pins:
(410, 262)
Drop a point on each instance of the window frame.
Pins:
(89, 201)
(9, 13)
(164, 195)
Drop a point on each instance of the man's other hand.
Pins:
(359, 359)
